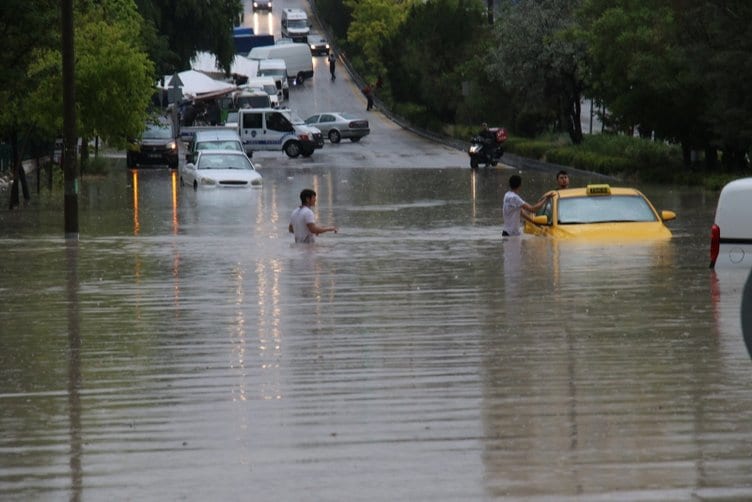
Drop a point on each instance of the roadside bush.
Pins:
(527, 148)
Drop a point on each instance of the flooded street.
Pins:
(184, 349)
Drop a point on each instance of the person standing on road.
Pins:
(368, 92)
(302, 221)
(332, 64)
(514, 205)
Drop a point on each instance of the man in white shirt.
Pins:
(513, 206)
(302, 221)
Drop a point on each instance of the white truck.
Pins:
(277, 129)
(277, 69)
(295, 25)
(297, 58)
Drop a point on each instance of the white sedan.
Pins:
(220, 169)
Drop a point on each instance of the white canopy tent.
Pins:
(206, 62)
(196, 84)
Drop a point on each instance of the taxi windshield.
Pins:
(602, 209)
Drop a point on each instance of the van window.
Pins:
(277, 122)
(252, 121)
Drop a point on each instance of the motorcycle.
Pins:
(487, 149)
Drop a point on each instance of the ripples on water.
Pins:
(185, 349)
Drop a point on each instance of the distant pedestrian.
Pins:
(514, 205)
(302, 221)
(332, 64)
(368, 93)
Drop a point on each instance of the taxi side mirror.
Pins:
(668, 215)
(540, 219)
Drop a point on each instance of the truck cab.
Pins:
(277, 129)
(277, 69)
(295, 25)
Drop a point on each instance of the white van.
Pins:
(276, 69)
(295, 25)
(297, 57)
(277, 129)
(267, 85)
(731, 233)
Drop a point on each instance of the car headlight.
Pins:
(208, 182)
(172, 145)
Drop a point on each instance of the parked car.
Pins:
(731, 233)
(156, 146)
(214, 138)
(220, 169)
(338, 125)
(318, 44)
(600, 212)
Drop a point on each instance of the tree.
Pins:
(373, 22)
(177, 29)
(114, 77)
(25, 25)
(430, 54)
(539, 61)
(717, 40)
(640, 70)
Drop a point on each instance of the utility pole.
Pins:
(70, 175)
(490, 4)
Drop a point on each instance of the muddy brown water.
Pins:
(183, 349)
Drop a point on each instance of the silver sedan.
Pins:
(338, 125)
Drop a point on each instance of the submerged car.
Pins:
(220, 169)
(157, 145)
(338, 125)
(600, 212)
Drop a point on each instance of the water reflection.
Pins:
(74, 370)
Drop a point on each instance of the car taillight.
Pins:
(715, 243)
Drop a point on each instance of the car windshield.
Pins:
(349, 116)
(219, 145)
(295, 119)
(271, 72)
(601, 209)
(299, 24)
(157, 131)
(224, 162)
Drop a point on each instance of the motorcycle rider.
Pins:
(489, 140)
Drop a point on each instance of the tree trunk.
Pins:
(18, 173)
(572, 118)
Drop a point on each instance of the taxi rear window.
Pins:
(602, 209)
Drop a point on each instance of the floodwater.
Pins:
(184, 349)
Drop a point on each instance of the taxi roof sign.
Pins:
(602, 189)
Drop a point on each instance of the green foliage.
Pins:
(431, 54)
(373, 22)
(541, 64)
(527, 147)
(113, 77)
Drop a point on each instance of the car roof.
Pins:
(223, 134)
(582, 192)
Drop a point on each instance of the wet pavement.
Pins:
(184, 349)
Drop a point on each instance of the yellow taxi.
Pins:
(600, 212)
